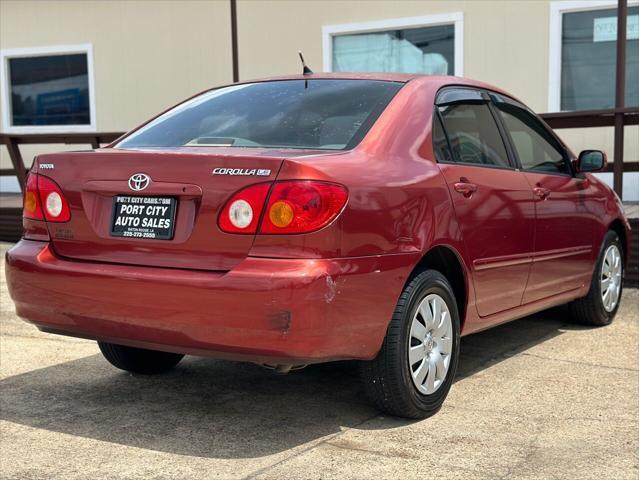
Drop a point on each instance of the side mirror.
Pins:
(591, 161)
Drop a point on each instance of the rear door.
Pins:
(492, 200)
(565, 224)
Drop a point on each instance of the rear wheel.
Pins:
(139, 360)
(599, 307)
(415, 368)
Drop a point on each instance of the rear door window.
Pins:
(473, 135)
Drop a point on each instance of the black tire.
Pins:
(387, 379)
(139, 360)
(590, 310)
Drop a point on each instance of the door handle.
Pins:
(465, 188)
(541, 192)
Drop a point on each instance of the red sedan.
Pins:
(315, 218)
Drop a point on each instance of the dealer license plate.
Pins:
(143, 217)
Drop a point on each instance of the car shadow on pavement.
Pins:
(217, 409)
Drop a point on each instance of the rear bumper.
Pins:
(264, 310)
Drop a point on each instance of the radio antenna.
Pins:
(306, 70)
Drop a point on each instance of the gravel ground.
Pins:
(536, 398)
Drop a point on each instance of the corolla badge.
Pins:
(262, 172)
(139, 181)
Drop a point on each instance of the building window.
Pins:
(428, 45)
(583, 54)
(48, 89)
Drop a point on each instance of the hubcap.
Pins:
(611, 278)
(430, 343)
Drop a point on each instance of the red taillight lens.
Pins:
(31, 202)
(294, 206)
(52, 201)
(302, 206)
(241, 213)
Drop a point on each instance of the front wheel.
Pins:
(599, 307)
(415, 368)
(139, 360)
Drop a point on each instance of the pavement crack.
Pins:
(372, 452)
(578, 362)
(530, 450)
(539, 418)
(327, 439)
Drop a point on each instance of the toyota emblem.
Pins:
(139, 181)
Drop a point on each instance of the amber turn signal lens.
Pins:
(30, 202)
(281, 214)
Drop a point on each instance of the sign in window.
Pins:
(605, 29)
(588, 55)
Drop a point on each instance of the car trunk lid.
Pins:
(93, 181)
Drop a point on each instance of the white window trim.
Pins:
(456, 19)
(557, 9)
(8, 53)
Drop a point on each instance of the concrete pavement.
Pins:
(536, 398)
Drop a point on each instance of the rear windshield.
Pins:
(316, 114)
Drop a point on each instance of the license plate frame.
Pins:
(150, 218)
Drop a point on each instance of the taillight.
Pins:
(242, 212)
(302, 206)
(294, 206)
(43, 200)
(31, 202)
(54, 205)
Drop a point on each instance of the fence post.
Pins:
(620, 93)
(16, 161)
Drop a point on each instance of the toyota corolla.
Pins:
(316, 218)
